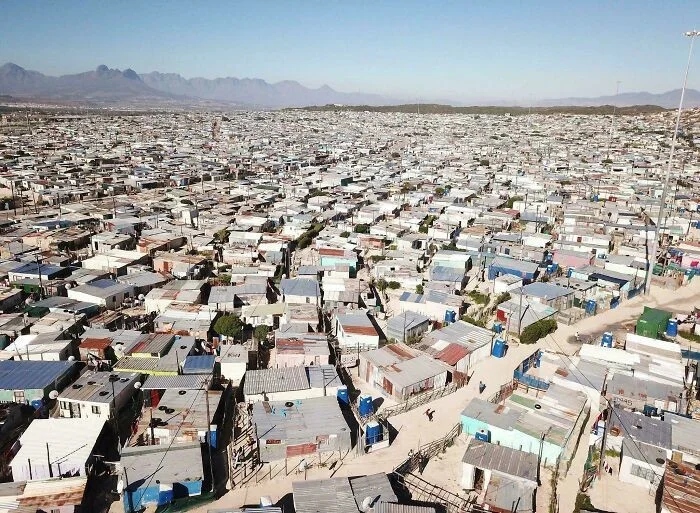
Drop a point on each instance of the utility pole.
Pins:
(655, 241)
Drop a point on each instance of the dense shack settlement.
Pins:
(348, 312)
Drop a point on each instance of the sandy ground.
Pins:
(611, 494)
(414, 428)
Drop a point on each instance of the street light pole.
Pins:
(655, 241)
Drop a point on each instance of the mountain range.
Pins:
(106, 86)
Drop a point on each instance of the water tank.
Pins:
(364, 405)
(373, 432)
(343, 396)
(497, 327)
(607, 340)
(483, 435)
(672, 328)
(499, 348)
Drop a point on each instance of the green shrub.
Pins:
(478, 297)
(362, 228)
(393, 285)
(537, 330)
(345, 235)
(472, 320)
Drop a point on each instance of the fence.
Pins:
(419, 400)
(530, 381)
(422, 490)
(504, 392)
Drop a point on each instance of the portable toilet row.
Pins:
(499, 348)
(607, 340)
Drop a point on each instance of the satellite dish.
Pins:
(53, 394)
(120, 486)
(265, 502)
(137, 385)
(141, 297)
(28, 301)
(58, 226)
(367, 504)
(71, 358)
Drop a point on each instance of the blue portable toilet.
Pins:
(497, 327)
(483, 435)
(343, 396)
(213, 436)
(650, 410)
(450, 316)
(591, 307)
(569, 272)
(373, 432)
(607, 339)
(672, 328)
(364, 405)
(499, 348)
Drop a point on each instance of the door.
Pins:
(388, 386)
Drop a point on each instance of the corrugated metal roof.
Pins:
(300, 423)
(282, 379)
(324, 496)
(179, 382)
(487, 456)
(202, 364)
(392, 507)
(28, 375)
(70, 443)
(164, 464)
(376, 486)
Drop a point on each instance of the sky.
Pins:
(405, 49)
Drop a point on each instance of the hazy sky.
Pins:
(426, 50)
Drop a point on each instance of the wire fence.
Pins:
(419, 400)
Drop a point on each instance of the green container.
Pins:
(652, 322)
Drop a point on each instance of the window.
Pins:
(64, 405)
(645, 473)
(308, 300)
(19, 396)
(96, 410)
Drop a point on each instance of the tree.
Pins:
(484, 162)
(439, 191)
(382, 285)
(345, 235)
(537, 330)
(419, 289)
(222, 235)
(362, 228)
(260, 332)
(229, 326)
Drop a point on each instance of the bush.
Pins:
(419, 289)
(225, 278)
(393, 285)
(484, 162)
(511, 201)
(377, 258)
(537, 330)
(345, 235)
(478, 297)
(472, 320)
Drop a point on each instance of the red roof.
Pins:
(452, 354)
(360, 330)
(681, 488)
(96, 343)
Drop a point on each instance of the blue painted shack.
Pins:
(155, 475)
(521, 268)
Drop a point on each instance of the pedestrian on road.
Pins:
(430, 415)
(482, 387)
